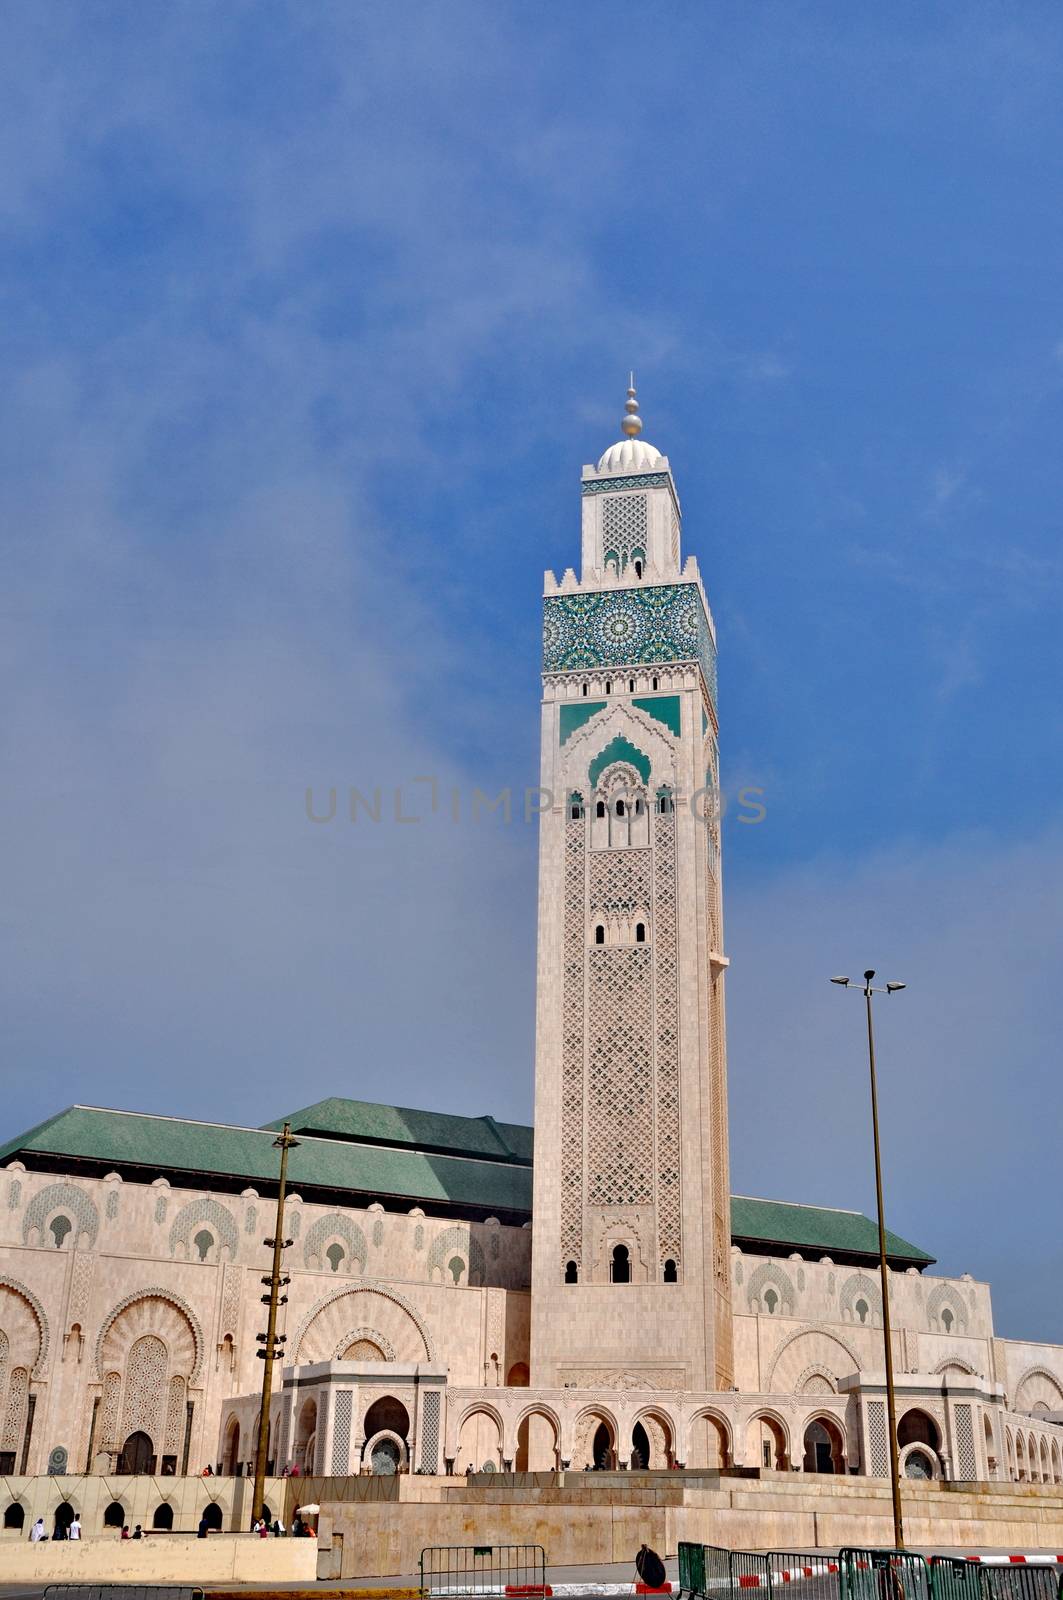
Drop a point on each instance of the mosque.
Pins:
(457, 1299)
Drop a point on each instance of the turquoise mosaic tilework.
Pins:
(665, 707)
(628, 627)
(575, 715)
(643, 480)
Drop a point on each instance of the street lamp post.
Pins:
(271, 1341)
(891, 1398)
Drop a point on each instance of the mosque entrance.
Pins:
(385, 1458)
(137, 1457)
(640, 1449)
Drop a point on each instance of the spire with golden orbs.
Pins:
(632, 423)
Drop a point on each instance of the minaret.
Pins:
(631, 1233)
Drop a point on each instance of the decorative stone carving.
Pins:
(66, 1198)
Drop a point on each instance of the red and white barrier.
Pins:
(1041, 1558)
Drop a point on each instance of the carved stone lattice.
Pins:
(457, 1241)
(622, 1377)
(232, 1280)
(112, 1395)
(5, 1353)
(145, 1388)
(80, 1285)
(669, 1177)
(572, 1024)
(619, 1076)
(623, 527)
(878, 1449)
(966, 1461)
(341, 1433)
(175, 1416)
(68, 1198)
(14, 1194)
(429, 1461)
(15, 1412)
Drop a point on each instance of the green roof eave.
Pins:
(817, 1228)
(201, 1149)
(361, 1121)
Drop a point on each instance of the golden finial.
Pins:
(632, 423)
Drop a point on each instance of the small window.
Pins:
(620, 1266)
(640, 933)
(584, 691)
(620, 808)
(599, 934)
(655, 683)
(114, 1516)
(608, 686)
(670, 1273)
(456, 1268)
(638, 568)
(631, 686)
(59, 1227)
(575, 807)
(334, 1255)
(638, 808)
(861, 1310)
(599, 810)
(15, 1515)
(948, 1319)
(163, 1518)
(771, 1300)
(571, 1272)
(664, 802)
(204, 1243)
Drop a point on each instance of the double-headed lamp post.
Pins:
(891, 1400)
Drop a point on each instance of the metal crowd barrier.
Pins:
(817, 1576)
(883, 1575)
(954, 1578)
(710, 1570)
(1024, 1581)
(517, 1570)
(122, 1591)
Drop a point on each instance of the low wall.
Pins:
(164, 1558)
(578, 1521)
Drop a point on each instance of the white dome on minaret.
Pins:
(630, 454)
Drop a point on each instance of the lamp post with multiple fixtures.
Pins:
(891, 1400)
(272, 1343)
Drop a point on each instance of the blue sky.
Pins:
(311, 315)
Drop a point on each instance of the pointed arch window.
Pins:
(599, 810)
(571, 1272)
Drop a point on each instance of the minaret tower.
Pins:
(631, 1242)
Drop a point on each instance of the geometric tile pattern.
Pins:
(666, 1009)
(644, 480)
(624, 529)
(966, 1464)
(620, 1077)
(341, 1434)
(625, 627)
(876, 1439)
(430, 1432)
(572, 1018)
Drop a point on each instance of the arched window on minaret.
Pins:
(670, 1273)
(571, 1272)
(665, 803)
(640, 933)
(599, 934)
(599, 810)
(575, 805)
(620, 1266)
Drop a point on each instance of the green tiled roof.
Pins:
(206, 1149)
(370, 1150)
(817, 1229)
(361, 1122)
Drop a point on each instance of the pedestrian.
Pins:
(37, 1531)
(297, 1526)
(75, 1527)
(126, 1533)
(278, 1528)
(138, 1532)
(263, 1529)
(203, 1526)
